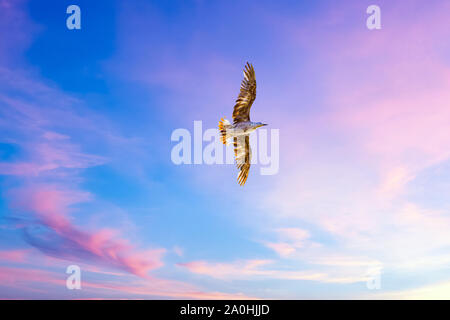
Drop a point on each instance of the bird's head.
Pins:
(260, 124)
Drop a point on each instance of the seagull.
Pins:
(241, 128)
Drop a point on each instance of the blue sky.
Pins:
(86, 176)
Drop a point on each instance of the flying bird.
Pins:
(241, 128)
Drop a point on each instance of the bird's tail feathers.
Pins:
(224, 124)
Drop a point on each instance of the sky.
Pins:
(86, 176)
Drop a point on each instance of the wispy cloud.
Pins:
(61, 238)
(48, 284)
(17, 255)
(260, 269)
(437, 291)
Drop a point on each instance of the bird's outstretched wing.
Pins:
(246, 96)
(243, 154)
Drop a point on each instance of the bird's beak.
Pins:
(262, 125)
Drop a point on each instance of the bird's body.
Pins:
(241, 128)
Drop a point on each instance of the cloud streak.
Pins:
(61, 238)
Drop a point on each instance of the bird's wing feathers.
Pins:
(246, 96)
(243, 154)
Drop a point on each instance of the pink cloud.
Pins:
(165, 288)
(282, 248)
(51, 206)
(385, 117)
(290, 240)
(46, 282)
(398, 107)
(50, 153)
(253, 269)
(25, 278)
(394, 181)
(19, 169)
(384, 92)
(227, 270)
(18, 255)
(294, 234)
